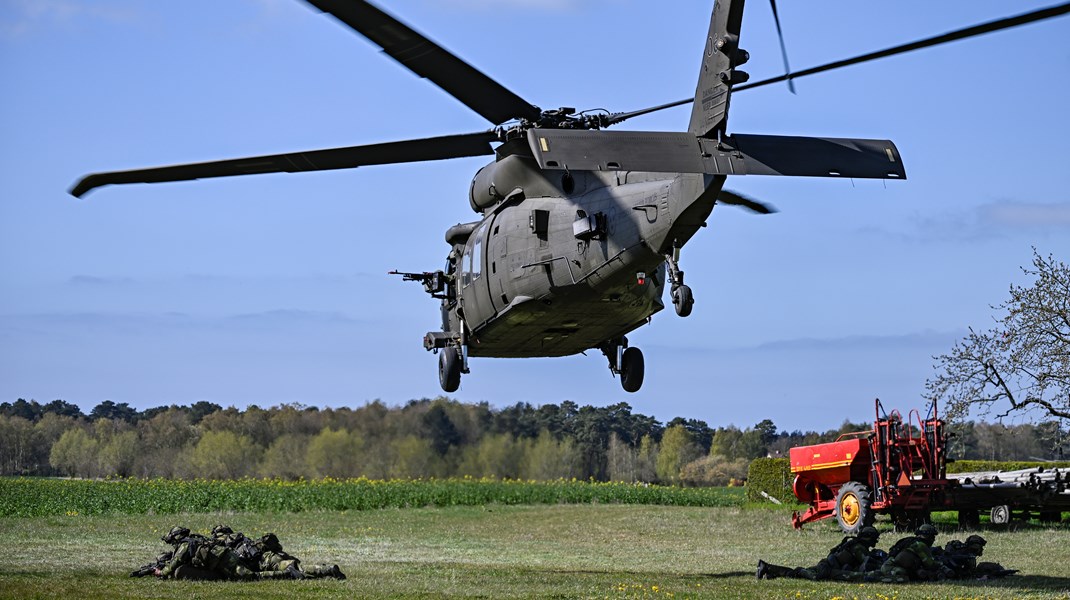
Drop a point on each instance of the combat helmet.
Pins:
(270, 541)
(177, 534)
(221, 530)
(976, 545)
(926, 531)
(868, 534)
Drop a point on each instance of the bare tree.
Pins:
(1023, 363)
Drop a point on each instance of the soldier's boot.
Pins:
(294, 572)
(318, 571)
(774, 571)
(763, 569)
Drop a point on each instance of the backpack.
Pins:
(900, 546)
(248, 551)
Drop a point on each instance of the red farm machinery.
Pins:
(898, 468)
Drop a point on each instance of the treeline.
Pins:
(424, 438)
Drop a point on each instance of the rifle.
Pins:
(150, 568)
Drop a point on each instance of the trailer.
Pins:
(899, 468)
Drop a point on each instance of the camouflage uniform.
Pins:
(846, 562)
(273, 559)
(958, 558)
(223, 534)
(911, 559)
(962, 557)
(197, 557)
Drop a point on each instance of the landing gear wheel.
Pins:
(449, 369)
(683, 300)
(1001, 515)
(852, 507)
(632, 367)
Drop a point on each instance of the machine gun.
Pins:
(150, 568)
(434, 282)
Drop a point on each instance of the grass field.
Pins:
(497, 551)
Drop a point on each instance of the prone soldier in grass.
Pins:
(848, 561)
(266, 556)
(911, 559)
(198, 557)
(273, 558)
(961, 558)
(229, 555)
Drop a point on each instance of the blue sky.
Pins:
(273, 289)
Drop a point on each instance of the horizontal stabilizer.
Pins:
(818, 157)
(742, 154)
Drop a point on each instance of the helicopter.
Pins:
(580, 229)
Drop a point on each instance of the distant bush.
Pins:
(772, 476)
(29, 497)
(714, 471)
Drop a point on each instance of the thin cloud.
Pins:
(143, 322)
(1025, 215)
(920, 339)
(104, 282)
(26, 16)
(985, 222)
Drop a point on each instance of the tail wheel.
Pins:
(853, 507)
(449, 368)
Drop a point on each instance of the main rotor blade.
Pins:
(429, 60)
(991, 26)
(983, 28)
(736, 199)
(437, 148)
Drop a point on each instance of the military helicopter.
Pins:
(580, 229)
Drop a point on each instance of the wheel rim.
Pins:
(1001, 515)
(849, 510)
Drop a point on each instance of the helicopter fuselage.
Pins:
(565, 261)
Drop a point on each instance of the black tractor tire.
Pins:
(449, 369)
(632, 367)
(683, 300)
(853, 510)
(908, 521)
(969, 519)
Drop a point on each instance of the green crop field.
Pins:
(497, 550)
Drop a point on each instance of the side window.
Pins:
(472, 261)
(477, 254)
(465, 266)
